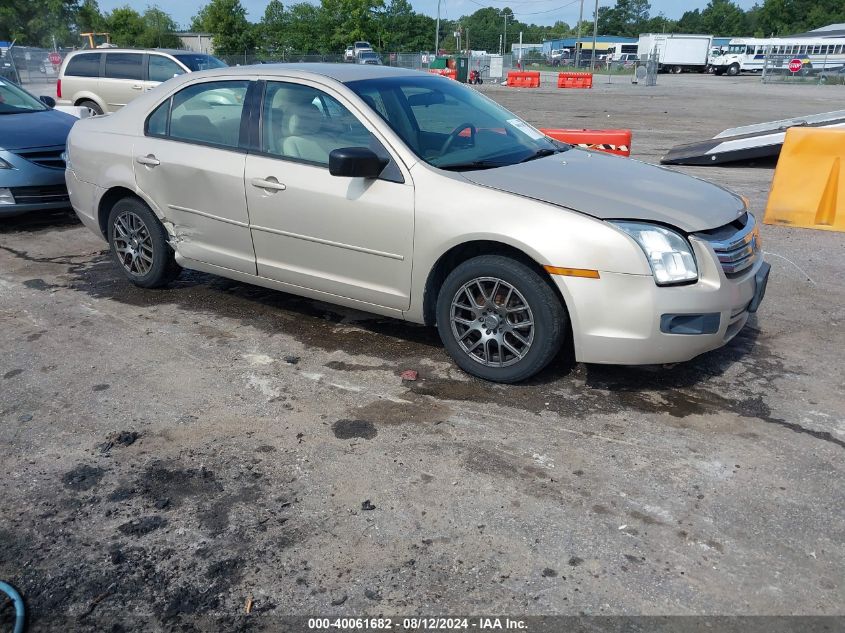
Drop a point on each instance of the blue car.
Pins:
(32, 141)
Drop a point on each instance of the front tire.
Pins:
(733, 70)
(139, 245)
(499, 319)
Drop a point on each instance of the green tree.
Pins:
(349, 20)
(786, 17)
(723, 17)
(36, 22)
(627, 18)
(89, 18)
(226, 21)
(272, 31)
(159, 30)
(126, 26)
(403, 29)
(690, 22)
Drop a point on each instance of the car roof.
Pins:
(339, 72)
(168, 51)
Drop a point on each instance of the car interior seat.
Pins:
(304, 120)
(195, 127)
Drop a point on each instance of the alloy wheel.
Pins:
(133, 244)
(492, 322)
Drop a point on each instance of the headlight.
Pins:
(669, 253)
(5, 165)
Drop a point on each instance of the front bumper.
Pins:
(620, 319)
(35, 188)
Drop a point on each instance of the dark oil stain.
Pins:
(634, 559)
(83, 477)
(600, 509)
(426, 478)
(343, 366)
(39, 284)
(142, 526)
(548, 572)
(388, 412)
(214, 517)
(35, 336)
(229, 569)
(12, 373)
(101, 387)
(122, 438)
(716, 545)
(266, 448)
(644, 518)
(348, 429)
(575, 561)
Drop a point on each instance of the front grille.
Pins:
(737, 245)
(44, 156)
(38, 195)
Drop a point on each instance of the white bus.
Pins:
(749, 54)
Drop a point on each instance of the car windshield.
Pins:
(14, 100)
(451, 126)
(197, 62)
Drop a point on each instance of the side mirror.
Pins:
(48, 101)
(356, 162)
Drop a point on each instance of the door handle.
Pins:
(149, 160)
(137, 87)
(269, 183)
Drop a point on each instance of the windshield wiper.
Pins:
(472, 165)
(540, 153)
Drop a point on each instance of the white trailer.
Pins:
(676, 52)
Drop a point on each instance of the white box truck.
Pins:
(675, 52)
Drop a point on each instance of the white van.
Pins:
(106, 80)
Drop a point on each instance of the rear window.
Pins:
(84, 65)
(198, 61)
(124, 66)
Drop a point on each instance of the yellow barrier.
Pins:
(809, 186)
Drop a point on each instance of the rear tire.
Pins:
(677, 70)
(499, 319)
(91, 105)
(140, 246)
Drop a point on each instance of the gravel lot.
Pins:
(173, 454)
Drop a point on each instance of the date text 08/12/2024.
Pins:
(416, 624)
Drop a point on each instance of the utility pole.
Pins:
(578, 38)
(437, 32)
(595, 33)
(505, 40)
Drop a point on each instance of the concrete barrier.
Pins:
(808, 190)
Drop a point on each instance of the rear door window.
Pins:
(163, 68)
(84, 65)
(124, 66)
(207, 113)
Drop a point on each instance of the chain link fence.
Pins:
(31, 65)
(800, 69)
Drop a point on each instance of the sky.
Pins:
(529, 11)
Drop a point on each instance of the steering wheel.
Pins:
(455, 134)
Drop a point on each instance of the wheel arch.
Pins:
(107, 202)
(80, 97)
(464, 251)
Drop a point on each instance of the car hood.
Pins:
(34, 129)
(610, 187)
